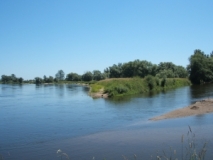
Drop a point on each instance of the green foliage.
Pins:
(97, 75)
(128, 86)
(200, 67)
(163, 82)
(145, 68)
(151, 82)
(73, 77)
(38, 80)
(60, 75)
(119, 89)
(115, 71)
(11, 79)
(48, 79)
(88, 76)
(95, 87)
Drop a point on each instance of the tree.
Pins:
(166, 66)
(10, 79)
(50, 79)
(181, 72)
(5, 79)
(106, 72)
(166, 73)
(200, 67)
(115, 71)
(45, 79)
(38, 80)
(73, 77)
(87, 76)
(13, 78)
(20, 80)
(97, 75)
(60, 75)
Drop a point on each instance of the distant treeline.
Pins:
(130, 69)
(199, 70)
(11, 79)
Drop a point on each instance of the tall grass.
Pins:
(128, 86)
(190, 149)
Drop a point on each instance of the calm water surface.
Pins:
(35, 121)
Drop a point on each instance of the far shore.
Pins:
(200, 107)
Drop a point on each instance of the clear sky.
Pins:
(40, 37)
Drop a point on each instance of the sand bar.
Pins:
(200, 107)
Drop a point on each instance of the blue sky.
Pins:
(40, 37)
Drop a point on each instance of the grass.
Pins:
(128, 86)
(190, 150)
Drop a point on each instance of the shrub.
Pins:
(151, 81)
(163, 82)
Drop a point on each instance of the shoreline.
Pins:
(99, 94)
(200, 107)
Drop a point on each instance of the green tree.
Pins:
(115, 71)
(45, 79)
(13, 78)
(73, 77)
(181, 72)
(20, 80)
(87, 76)
(60, 75)
(5, 79)
(50, 79)
(166, 73)
(106, 72)
(97, 75)
(38, 80)
(200, 67)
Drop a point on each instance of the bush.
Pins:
(121, 89)
(163, 82)
(151, 82)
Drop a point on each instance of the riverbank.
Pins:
(129, 86)
(198, 108)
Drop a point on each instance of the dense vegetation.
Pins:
(11, 79)
(145, 68)
(127, 86)
(200, 67)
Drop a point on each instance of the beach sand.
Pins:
(200, 107)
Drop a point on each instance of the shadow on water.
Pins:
(152, 94)
(198, 92)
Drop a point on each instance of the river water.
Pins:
(36, 121)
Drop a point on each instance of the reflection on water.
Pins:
(35, 121)
(201, 91)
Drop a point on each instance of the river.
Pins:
(36, 121)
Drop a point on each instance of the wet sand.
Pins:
(200, 107)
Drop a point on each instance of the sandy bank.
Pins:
(200, 107)
(99, 94)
